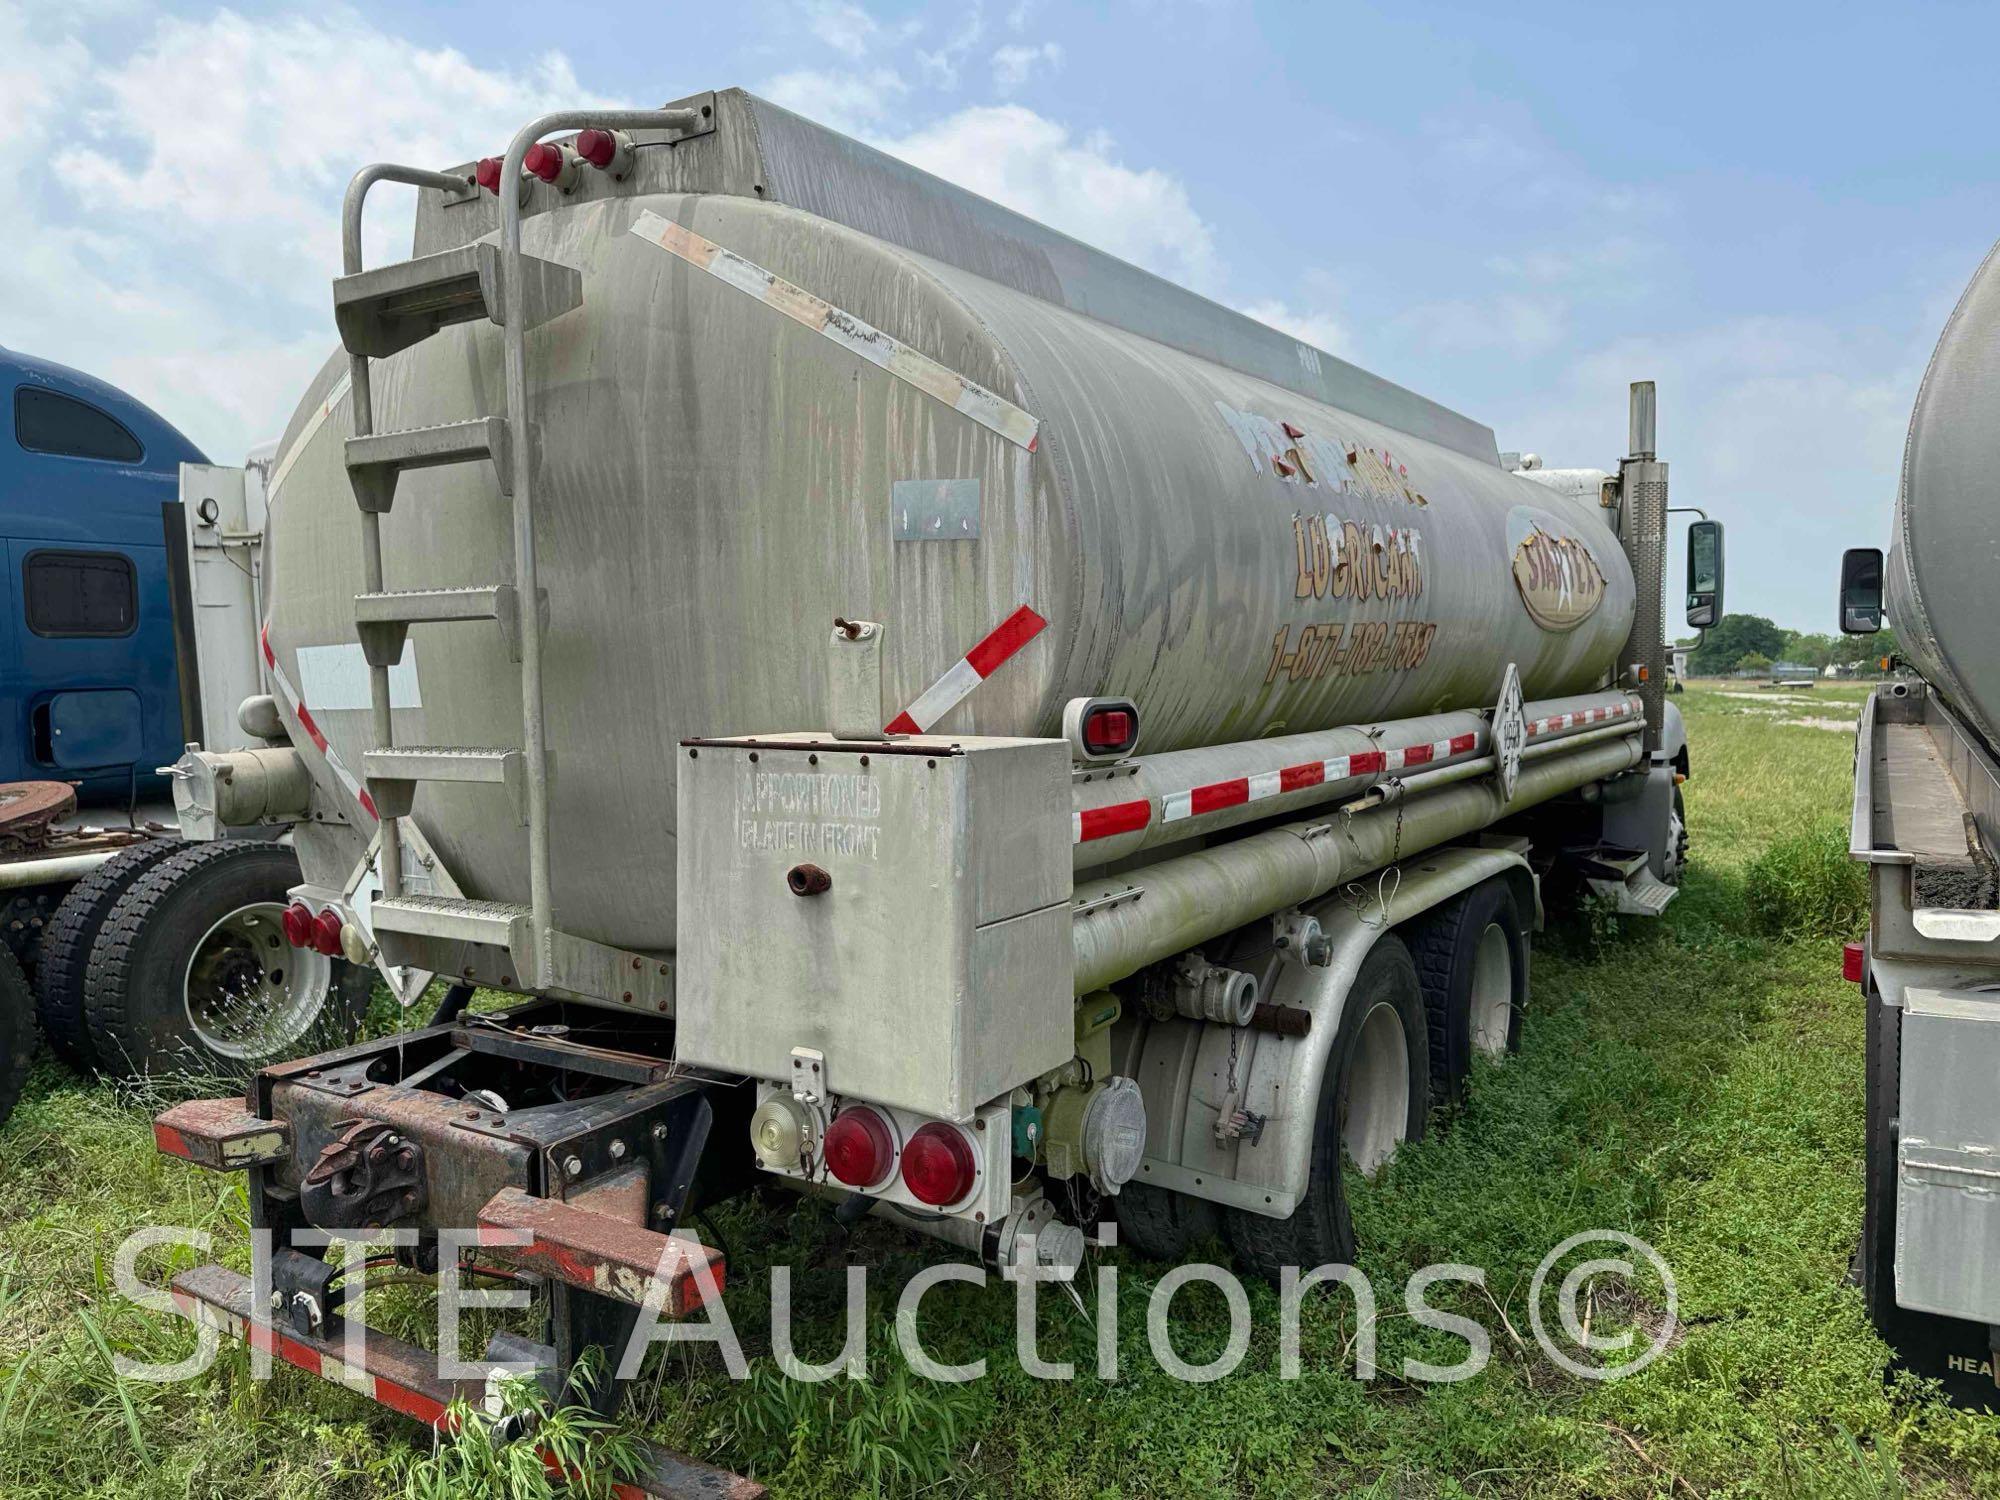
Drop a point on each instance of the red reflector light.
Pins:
(939, 1166)
(544, 160)
(488, 173)
(1110, 729)
(298, 925)
(859, 1148)
(597, 147)
(1851, 963)
(326, 933)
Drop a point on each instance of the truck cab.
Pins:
(89, 689)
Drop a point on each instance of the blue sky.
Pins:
(1515, 210)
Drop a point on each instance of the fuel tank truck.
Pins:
(928, 713)
(1927, 825)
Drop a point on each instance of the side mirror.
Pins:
(1704, 574)
(1861, 590)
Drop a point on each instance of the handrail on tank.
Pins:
(357, 195)
(515, 356)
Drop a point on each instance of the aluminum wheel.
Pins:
(1378, 1091)
(1492, 995)
(249, 993)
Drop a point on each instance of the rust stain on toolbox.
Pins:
(601, 1254)
(220, 1134)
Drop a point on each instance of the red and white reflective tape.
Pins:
(1195, 801)
(1578, 719)
(1109, 822)
(971, 669)
(304, 715)
(336, 394)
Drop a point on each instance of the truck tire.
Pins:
(66, 946)
(1375, 1096)
(17, 1032)
(1955, 1352)
(1472, 959)
(1162, 1224)
(192, 976)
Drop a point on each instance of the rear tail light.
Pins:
(939, 1165)
(326, 933)
(607, 150)
(298, 925)
(1852, 959)
(487, 173)
(860, 1151)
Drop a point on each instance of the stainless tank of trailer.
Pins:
(1203, 530)
(1944, 564)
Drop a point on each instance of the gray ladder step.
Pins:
(454, 919)
(393, 774)
(385, 310)
(384, 619)
(1642, 894)
(375, 462)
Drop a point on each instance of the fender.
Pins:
(1673, 740)
(1184, 1067)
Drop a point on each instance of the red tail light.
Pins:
(326, 934)
(859, 1149)
(597, 147)
(487, 173)
(939, 1165)
(1852, 960)
(298, 925)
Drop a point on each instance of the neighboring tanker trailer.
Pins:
(935, 715)
(1927, 824)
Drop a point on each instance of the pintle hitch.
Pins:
(369, 1177)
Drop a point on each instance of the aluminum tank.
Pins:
(1945, 557)
(717, 477)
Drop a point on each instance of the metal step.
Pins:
(384, 619)
(376, 461)
(1643, 894)
(393, 774)
(385, 310)
(454, 919)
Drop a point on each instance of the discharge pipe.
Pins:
(1189, 900)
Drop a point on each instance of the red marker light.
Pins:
(544, 160)
(488, 173)
(1853, 960)
(939, 1166)
(597, 147)
(859, 1149)
(298, 925)
(1110, 729)
(326, 933)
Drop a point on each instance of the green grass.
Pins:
(1695, 1081)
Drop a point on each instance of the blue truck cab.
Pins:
(90, 690)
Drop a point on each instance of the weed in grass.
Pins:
(533, 1450)
(1804, 885)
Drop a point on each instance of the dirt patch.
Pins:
(1838, 726)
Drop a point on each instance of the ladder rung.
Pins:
(498, 924)
(424, 606)
(388, 309)
(375, 462)
(393, 774)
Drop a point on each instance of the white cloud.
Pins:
(188, 209)
(848, 29)
(1030, 164)
(1014, 64)
(850, 102)
(940, 65)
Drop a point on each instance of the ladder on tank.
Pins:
(380, 313)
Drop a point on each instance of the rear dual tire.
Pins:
(1374, 1098)
(17, 1031)
(64, 970)
(191, 974)
(1472, 957)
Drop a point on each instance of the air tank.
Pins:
(1242, 534)
(1945, 556)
